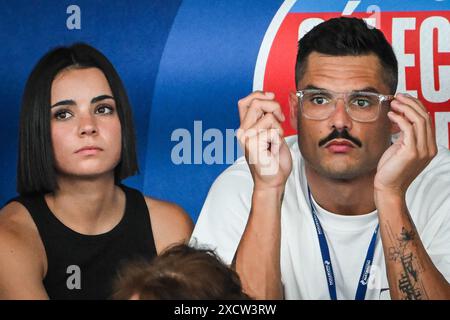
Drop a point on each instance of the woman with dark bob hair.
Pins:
(74, 224)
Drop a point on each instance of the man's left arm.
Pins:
(410, 270)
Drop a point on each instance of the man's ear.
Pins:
(293, 109)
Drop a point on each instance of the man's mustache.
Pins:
(340, 135)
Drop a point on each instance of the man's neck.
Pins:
(345, 197)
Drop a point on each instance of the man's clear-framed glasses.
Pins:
(362, 106)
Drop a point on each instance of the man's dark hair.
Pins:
(180, 273)
(36, 161)
(347, 37)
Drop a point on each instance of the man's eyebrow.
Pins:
(368, 89)
(72, 103)
(312, 87)
(365, 89)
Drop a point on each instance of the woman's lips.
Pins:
(89, 150)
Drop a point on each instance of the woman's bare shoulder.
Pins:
(22, 256)
(15, 220)
(17, 229)
(170, 223)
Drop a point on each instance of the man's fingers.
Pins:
(432, 145)
(413, 102)
(418, 105)
(244, 103)
(409, 139)
(263, 151)
(420, 122)
(275, 137)
(268, 121)
(258, 108)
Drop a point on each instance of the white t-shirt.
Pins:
(225, 213)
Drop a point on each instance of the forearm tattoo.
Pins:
(409, 281)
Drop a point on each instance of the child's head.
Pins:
(180, 273)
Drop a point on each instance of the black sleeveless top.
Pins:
(85, 266)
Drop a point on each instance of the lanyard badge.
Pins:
(328, 267)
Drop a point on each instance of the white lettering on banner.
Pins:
(399, 26)
(427, 71)
(427, 60)
(442, 119)
(375, 19)
(350, 7)
(310, 23)
(307, 25)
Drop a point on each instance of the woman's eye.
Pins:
(105, 109)
(62, 115)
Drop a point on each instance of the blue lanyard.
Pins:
(365, 272)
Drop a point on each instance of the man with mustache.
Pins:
(342, 210)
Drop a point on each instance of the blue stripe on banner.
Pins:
(309, 6)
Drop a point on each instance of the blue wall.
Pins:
(180, 62)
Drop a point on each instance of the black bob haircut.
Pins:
(348, 37)
(36, 162)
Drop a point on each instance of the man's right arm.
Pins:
(257, 259)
